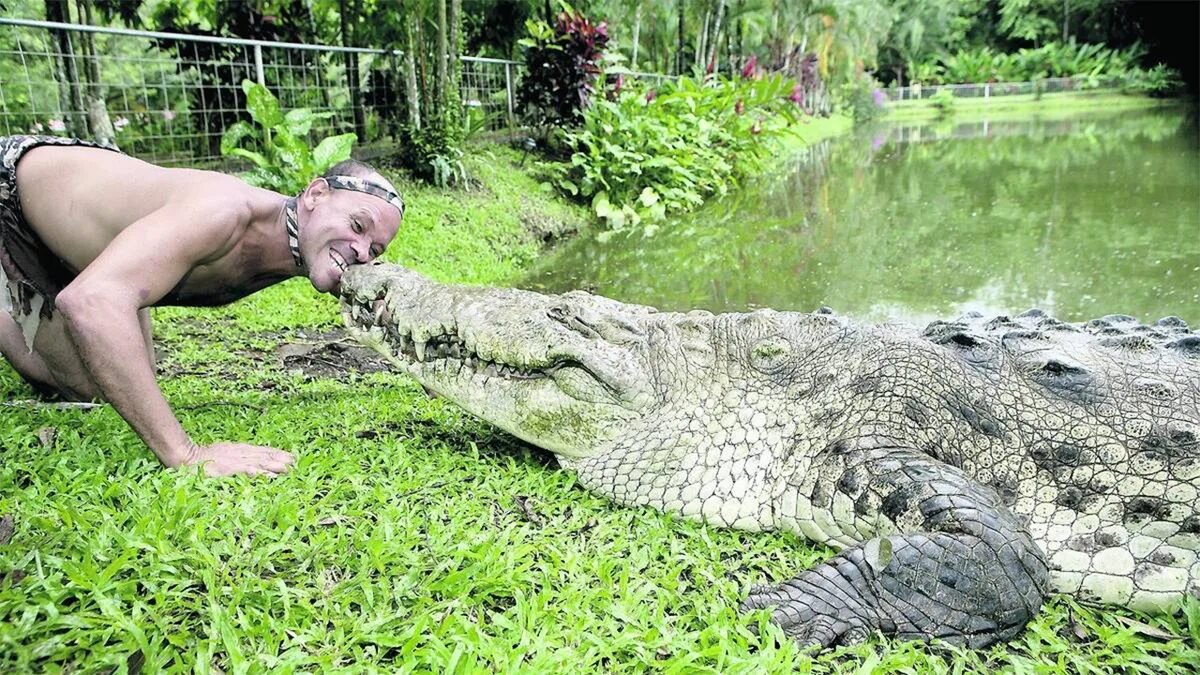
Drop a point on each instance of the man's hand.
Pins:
(228, 459)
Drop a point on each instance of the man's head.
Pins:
(340, 224)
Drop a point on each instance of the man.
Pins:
(91, 238)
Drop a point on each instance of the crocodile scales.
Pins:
(963, 471)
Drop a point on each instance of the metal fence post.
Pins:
(258, 65)
(508, 85)
(987, 91)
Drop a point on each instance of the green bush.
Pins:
(562, 64)
(279, 148)
(648, 153)
(862, 98)
(1157, 81)
(1055, 59)
(943, 100)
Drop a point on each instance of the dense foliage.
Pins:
(650, 152)
(562, 65)
(279, 147)
(1050, 60)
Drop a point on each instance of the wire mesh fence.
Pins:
(990, 89)
(168, 98)
(488, 92)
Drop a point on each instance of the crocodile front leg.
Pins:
(950, 560)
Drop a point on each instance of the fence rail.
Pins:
(987, 90)
(168, 97)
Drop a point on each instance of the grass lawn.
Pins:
(1023, 106)
(409, 537)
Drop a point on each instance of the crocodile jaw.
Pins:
(523, 361)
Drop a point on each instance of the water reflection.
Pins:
(1083, 217)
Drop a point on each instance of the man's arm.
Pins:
(100, 307)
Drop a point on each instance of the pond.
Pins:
(1083, 216)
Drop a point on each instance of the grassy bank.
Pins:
(814, 130)
(409, 536)
(996, 107)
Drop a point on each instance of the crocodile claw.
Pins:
(809, 616)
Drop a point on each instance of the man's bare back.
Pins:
(122, 235)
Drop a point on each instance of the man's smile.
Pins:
(338, 261)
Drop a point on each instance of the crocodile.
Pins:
(963, 472)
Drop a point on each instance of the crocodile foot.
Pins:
(814, 610)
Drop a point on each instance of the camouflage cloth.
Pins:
(31, 275)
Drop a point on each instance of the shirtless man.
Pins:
(91, 238)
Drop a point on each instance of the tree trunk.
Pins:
(99, 123)
(776, 42)
(739, 42)
(716, 35)
(454, 63)
(410, 78)
(1066, 23)
(442, 58)
(73, 117)
(349, 15)
(682, 7)
(702, 41)
(637, 30)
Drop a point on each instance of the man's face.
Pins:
(342, 228)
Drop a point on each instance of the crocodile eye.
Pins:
(770, 355)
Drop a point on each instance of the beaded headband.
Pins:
(339, 183)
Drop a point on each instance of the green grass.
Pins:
(1022, 105)
(408, 536)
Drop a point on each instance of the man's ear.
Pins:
(315, 193)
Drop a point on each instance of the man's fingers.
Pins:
(276, 466)
(285, 457)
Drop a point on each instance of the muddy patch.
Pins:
(332, 354)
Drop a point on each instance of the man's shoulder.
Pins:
(220, 198)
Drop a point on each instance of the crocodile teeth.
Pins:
(379, 306)
(419, 345)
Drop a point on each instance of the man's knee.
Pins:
(28, 364)
(68, 376)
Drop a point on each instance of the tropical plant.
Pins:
(863, 99)
(1069, 59)
(943, 101)
(562, 65)
(432, 134)
(279, 148)
(651, 152)
(1157, 81)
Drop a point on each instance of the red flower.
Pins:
(797, 94)
(748, 69)
(739, 107)
(650, 96)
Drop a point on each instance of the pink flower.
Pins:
(797, 94)
(57, 125)
(748, 69)
(168, 115)
(650, 96)
(739, 107)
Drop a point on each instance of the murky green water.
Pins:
(1097, 214)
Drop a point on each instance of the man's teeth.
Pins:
(338, 260)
